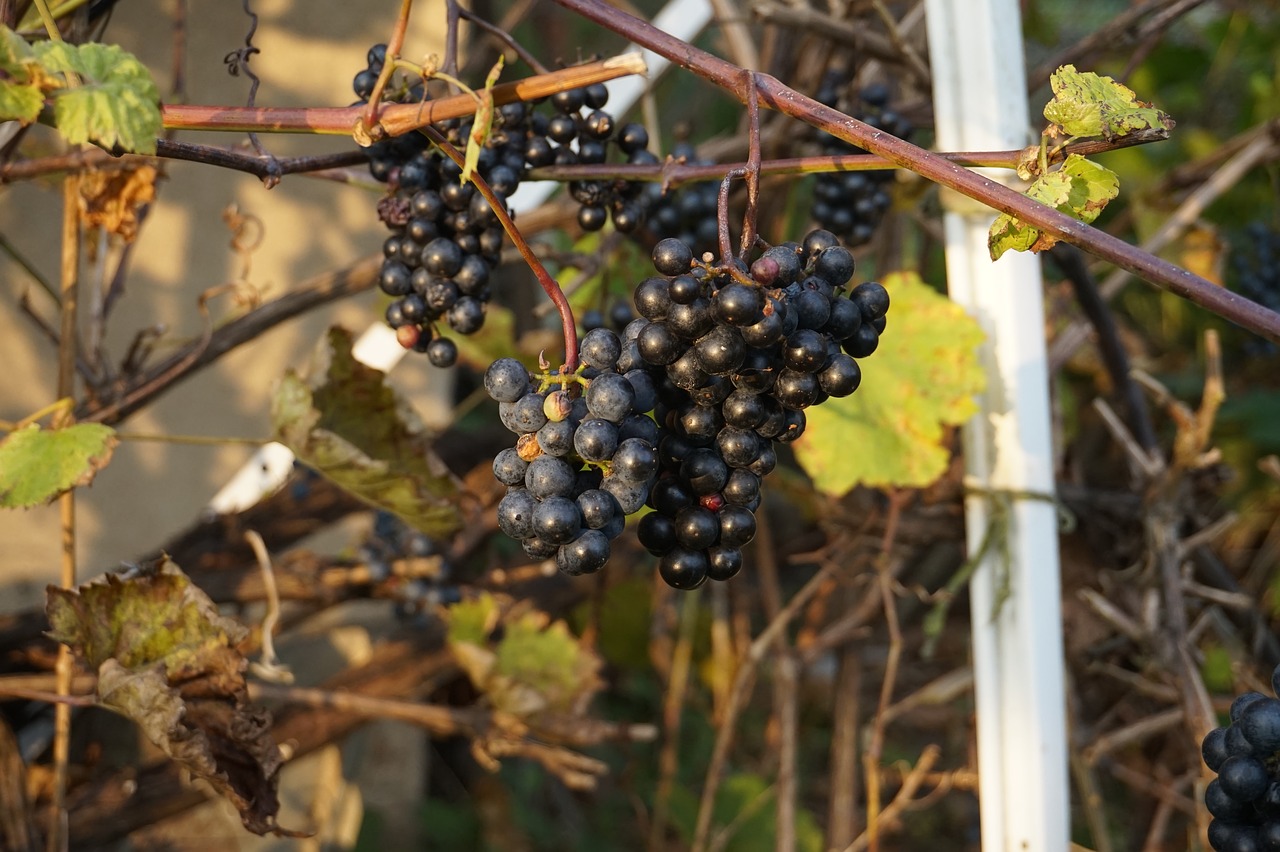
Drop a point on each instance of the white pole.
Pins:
(979, 81)
(377, 346)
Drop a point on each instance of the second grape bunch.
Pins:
(681, 413)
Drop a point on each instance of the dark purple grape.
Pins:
(600, 348)
(683, 569)
(556, 519)
(871, 298)
(597, 507)
(586, 554)
(506, 380)
(515, 513)
(723, 562)
(595, 439)
(1243, 778)
(1260, 724)
(509, 468)
(548, 476)
(738, 304)
(634, 461)
(442, 352)
(653, 298)
(657, 533)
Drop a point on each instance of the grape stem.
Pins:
(396, 42)
(549, 284)
(752, 172)
(1226, 304)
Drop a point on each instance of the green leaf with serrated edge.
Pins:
(535, 667)
(116, 102)
(349, 425)
(167, 659)
(1086, 104)
(18, 102)
(924, 375)
(16, 56)
(37, 464)
(550, 660)
(1081, 189)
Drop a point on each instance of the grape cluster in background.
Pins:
(852, 204)
(445, 240)
(1245, 754)
(681, 413)
(1255, 274)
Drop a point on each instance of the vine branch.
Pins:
(782, 98)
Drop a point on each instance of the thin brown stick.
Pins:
(738, 697)
(902, 801)
(195, 356)
(786, 678)
(505, 38)
(875, 749)
(56, 840)
(841, 812)
(1121, 29)
(672, 711)
(752, 169)
(389, 65)
(910, 57)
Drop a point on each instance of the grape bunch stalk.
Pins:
(683, 411)
(1244, 799)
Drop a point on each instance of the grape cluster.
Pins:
(682, 412)
(581, 463)
(1244, 799)
(688, 213)
(445, 239)
(1255, 274)
(851, 204)
(739, 354)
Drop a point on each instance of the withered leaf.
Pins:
(166, 659)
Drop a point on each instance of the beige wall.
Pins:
(310, 51)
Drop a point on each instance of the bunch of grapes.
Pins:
(1245, 797)
(581, 463)
(683, 411)
(688, 213)
(445, 239)
(1255, 274)
(740, 353)
(851, 204)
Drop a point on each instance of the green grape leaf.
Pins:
(20, 103)
(1087, 105)
(535, 667)
(923, 376)
(1081, 188)
(115, 102)
(37, 464)
(167, 660)
(349, 425)
(17, 59)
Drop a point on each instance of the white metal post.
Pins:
(979, 81)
